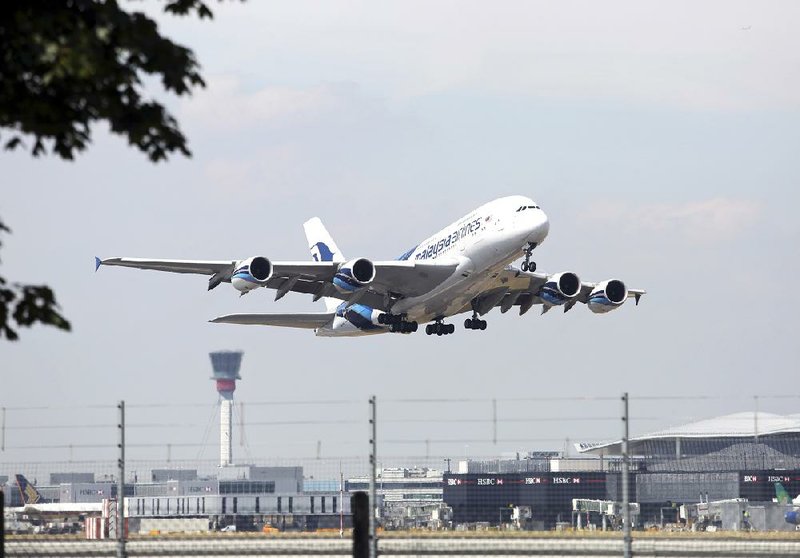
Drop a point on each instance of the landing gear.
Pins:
(397, 323)
(438, 328)
(474, 323)
(527, 264)
(403, 327)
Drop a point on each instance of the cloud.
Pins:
(225, 105)
(681, 54)
(708, 221)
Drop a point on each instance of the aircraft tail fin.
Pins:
(28, 492)
(323, 249)
(781, 495)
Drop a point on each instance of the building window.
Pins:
(291, 504)
(322, 505)
(334, 505)
(312, 504)
(279, 504)
(235, 503)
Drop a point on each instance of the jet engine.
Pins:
(251, 273)
(354, 275)
(560, 288)
(607, 296)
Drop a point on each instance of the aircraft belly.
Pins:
(447, 302)
(456, 294)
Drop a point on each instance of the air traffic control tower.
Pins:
(226, 371)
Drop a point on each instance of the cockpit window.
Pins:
(524, 207)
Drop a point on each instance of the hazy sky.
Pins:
(661, 138)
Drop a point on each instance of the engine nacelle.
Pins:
(354, 275)
(560, 288)
(607, 296)
(251, 273)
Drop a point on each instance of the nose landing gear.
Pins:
(527, 264)
(439, 328)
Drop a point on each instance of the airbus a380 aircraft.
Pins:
(465, 267)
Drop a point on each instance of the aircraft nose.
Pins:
(540, 226)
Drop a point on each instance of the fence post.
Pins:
(121, 484)
(373, 463)
(3, 524)
(359, 507)
(626, 509)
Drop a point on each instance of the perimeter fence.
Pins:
(480, 475)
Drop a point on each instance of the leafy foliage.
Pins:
(66, 64)
(25, 305)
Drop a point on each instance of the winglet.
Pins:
(97, 263)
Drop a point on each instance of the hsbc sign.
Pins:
(490, 481)
(566, 480)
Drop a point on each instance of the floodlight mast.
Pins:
(226, 366)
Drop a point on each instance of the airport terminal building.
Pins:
(736, 456)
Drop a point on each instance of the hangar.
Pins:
(746, 440)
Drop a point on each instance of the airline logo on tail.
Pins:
(321, 253)
(28, 492)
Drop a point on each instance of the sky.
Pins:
(661, 139)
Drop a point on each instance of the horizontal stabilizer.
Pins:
(311, 320)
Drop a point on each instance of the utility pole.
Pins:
(341, 501)
(373, 463)
(121, 484)
(626, 507)
(3, 524)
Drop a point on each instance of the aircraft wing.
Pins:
(311, 320)
(514, 287)
(63, 508)
(393, 279)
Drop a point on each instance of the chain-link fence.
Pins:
(710, 475)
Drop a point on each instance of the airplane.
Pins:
(782, 497)
(465, 267)
(34, 503)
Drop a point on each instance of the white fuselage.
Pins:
(481, 243)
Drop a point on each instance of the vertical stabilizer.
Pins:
(323, 249)
(28, 492)
(781, 495)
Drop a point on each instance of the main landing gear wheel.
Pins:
(439, 328)
(474, 323)
(527, 264)
(397, 323)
